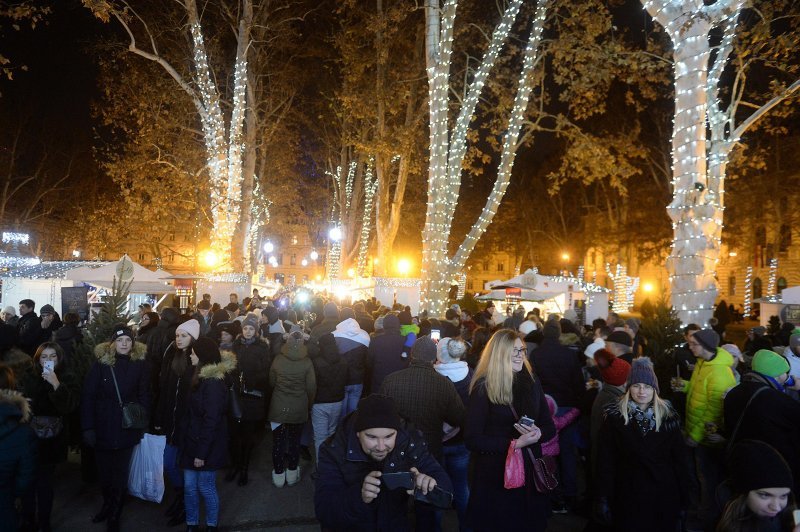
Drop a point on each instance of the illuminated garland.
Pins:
(462, 284)
(51, 269)
(581, 273)
(370, 187)
(748, 291)
(447, 148)
(396, 282)
(773, 275)
(624, 288)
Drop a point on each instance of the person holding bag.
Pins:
(54, 393)
(118, 383)
(643, 478)
(507, 413)
(252, 384)
(205, 431)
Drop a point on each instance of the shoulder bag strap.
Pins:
(114, 377)
(741, 417)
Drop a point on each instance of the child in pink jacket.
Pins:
(551, 447)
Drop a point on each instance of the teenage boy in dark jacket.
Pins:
(370, 443)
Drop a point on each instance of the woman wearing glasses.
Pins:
(503, 390)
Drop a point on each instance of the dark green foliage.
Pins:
(648, 309)
(469, 303)
(112, 311)
(662, 332)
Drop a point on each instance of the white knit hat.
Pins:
(594, 347)
(191, 327)
(527, 327)
(450, 350)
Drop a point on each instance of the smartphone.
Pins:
(525, 420)
(49, 366)
(796, 515)
(393, 481)
(435, 335)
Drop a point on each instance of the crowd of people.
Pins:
(507, 418)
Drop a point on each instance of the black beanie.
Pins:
(377, 412)
(120, 329)
(207, 351)
(552, 330)
(424, 349)
(708, 338)
(757, 465)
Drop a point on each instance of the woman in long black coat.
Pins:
(642, 472)
(504, 384)
(101, 415)
(174, 381)
(205, 433)
(53, 394)
(252, 383)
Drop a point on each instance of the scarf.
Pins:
(522, 394)
(249, 341)
(644, 420)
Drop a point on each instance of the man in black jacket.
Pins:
(772, 416)
(350, 494)
(29, 328)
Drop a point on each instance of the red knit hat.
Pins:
(614, 370)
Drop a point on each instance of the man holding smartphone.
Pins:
(371, 442)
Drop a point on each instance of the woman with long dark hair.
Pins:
(204, 448)
(174, 381)
(54, 393)
(147, 326)
(121, 368)
(503, 390)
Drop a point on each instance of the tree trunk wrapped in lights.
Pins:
(704, 135)
(448, 148)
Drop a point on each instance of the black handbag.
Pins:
(234, 404)
(47, 427)
(134, 415)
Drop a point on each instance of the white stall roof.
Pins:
(56, 269)
(144, 281)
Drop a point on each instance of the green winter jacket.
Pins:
(705, 393)
(294, 384)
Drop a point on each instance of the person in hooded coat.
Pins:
(17, 448)
(386, 353)
(293, 384)
(204, 449)
(252, 384)
(327, 325)
(353, 344)
(122, 361)
(331, 372)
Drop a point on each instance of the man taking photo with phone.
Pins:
(372, 442)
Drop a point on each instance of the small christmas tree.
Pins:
(112, 312)
(662, 333)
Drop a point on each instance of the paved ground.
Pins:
(257, 506)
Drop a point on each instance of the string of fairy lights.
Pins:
(748, 291)
(697, 206)
(370, 187)
(773, 276)
(447, 149)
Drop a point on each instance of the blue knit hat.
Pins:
(642, 373)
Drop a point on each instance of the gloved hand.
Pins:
(90, 437)
(601, 511)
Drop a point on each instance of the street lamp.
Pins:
(314, 255)
(335, 234)
(304, 262)
(403, 266)
(269, 247)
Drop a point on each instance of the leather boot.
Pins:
(179, 516)
(105, 510)
(176, 504)
(117, 500)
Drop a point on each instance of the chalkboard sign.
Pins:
(75, 299)
(790, 314)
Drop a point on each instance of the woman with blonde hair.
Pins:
(642, 472)
(502, 392)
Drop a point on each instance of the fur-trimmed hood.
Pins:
(14, 404)
(106, 353)
(220, 369)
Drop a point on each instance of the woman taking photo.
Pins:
(174, 381)
(53, 393)
(252, 360)
(762, 491)
(120, 369)
(205, 434)
(503, 390)
(642, 473)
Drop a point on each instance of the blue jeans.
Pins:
(352, 393)
(174, 473)
(568, 459)
(456, 463)
(204, 482)
(324, 418)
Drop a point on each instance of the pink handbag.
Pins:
(514, 476)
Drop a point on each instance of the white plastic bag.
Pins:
(146, 475)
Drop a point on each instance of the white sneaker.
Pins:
(278, 479)
(293, 476)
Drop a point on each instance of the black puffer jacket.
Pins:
(173, 395)
(252, 377)
(159, 341)
(331, 370)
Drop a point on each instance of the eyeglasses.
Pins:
(519, 350)
(145, 319)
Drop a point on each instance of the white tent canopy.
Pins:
(144, 281)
